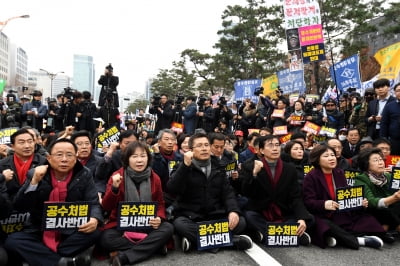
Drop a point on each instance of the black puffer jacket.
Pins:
(199, 198)
(81, 188)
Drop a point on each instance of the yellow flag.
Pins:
(389, 58)
(270, 84)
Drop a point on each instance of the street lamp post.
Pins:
(4, 23)
(52, 76)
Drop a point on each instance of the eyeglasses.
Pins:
(330, 105)
(60, 156)
(377, 160)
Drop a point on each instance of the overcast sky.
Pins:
(137, 37)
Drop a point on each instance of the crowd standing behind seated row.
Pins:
(227, 163)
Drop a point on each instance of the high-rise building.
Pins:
(4, 57)
(39, 80)
(13, 65)
(83, 76)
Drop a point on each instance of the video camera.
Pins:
(258, 91)
(222, 101)
(68, 93)
(178, 100)
(155, 101)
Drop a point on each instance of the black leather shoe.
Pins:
(388, 238)
(80, 260)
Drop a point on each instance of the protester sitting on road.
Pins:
(273, 192)
(204, 193)
(183, 143)
(111, 161)
(63, 179)
(294, 153)
(136, 182)
(86, 156)
(384, 145)
(348, 228)
(336, 144)
(165, 159)
(384, 204)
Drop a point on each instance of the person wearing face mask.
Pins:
(342, 135)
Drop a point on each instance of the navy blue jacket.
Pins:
(390, 122)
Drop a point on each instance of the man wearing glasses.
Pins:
(390, 122)
(63, 179)
(273, 192)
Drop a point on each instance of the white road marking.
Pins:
(261, 257)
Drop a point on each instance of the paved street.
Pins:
(388, 255)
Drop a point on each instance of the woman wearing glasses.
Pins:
(384, 203)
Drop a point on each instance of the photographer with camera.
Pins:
(13, 112)
(70, 107)
(87, 111)
(247, 116)
(52, 115)
(206, 114)
(222, 112)
(109, 84)
(189, 115)
(35, 111)
(163, 109)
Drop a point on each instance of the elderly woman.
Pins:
(347, 228)
(135, 181)
(384, 204)
(293, 153)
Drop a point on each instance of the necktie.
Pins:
(352, 148)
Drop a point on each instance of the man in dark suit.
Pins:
(350, 147)
(375, 107)
(390, 123)
(273, 191)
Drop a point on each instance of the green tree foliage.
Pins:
(252, 45)
(391, 20)
(345, 21)
(137, 104)
(248, 46)
(178, 80)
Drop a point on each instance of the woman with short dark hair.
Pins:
(294, 153)
(347, 228)
(135, 182)
(383, 203)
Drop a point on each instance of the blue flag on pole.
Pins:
(245, 89)
(291, 81)
(347, 73)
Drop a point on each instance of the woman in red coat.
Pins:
(136, 182)
(347, 228)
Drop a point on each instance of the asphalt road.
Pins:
(312, 255)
